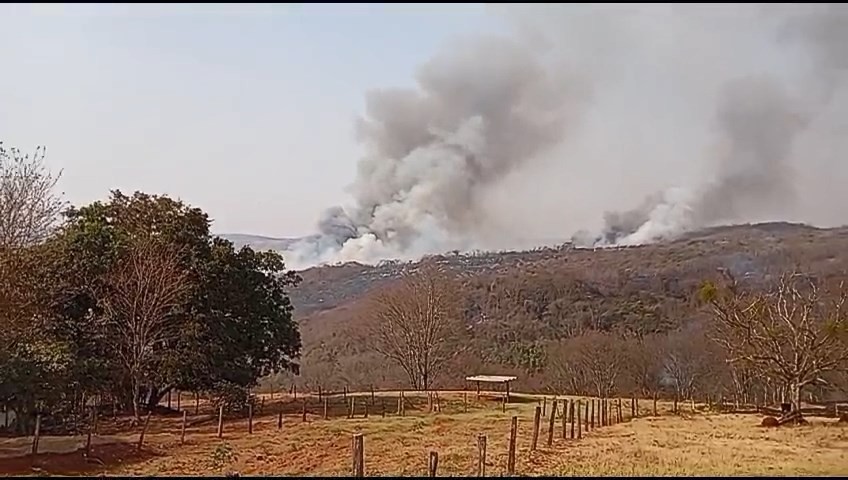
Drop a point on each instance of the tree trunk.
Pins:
(155, 396)
(796, 396)
(135, 398)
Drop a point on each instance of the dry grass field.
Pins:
(692, 443)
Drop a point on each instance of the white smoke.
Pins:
(733, 113)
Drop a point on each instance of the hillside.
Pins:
(521, 303)
(742, 249)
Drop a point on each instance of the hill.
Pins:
(521, 304)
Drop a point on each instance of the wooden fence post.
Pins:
(481, 454)
(304, 409)
(564, 417)
(579, 420)
(344, 393)
(536, 419)
(351, 407)
(513, 434)
(358, 456)
(591, 424)
(280, 419)
(372, 394)
(433, 464)
(37, 435)
(551, 423)
(366, 409)
(325, 407)
(250, 418)
(169, 399)
(179, 394)
(655, 404)
(571, 419)
(601, 413)
(383, 407)
(402, 404)
(620, 416)
(544, 405)
(503, 405)
(143, 431)
(220, 421)
(182, 433)
(464, 402)
(294, 390)
(96, 419)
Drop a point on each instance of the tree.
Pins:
(418, 324)
(141, 296)
(795, 332)
(242, 326)
(687, 361)
(234, 326)
(601, 357)
(32, 366)
(644, 363)
(29, 208)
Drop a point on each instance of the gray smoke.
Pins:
(483, 108)
(759, 124)
(710, 114)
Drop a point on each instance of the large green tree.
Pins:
(234, 326)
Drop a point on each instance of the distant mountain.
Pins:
(518, 302)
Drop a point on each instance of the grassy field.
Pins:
(692, 443)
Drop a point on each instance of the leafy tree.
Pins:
(31, 367)
(234, 326)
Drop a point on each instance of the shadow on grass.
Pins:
(74, 463)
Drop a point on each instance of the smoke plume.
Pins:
(711, 114)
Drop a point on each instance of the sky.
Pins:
(246, 111)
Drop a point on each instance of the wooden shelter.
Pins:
(494, 379)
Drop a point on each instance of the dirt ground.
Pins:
(691, 443)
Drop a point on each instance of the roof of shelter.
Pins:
(490, 378)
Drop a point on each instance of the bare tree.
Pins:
(564, 369)
(601, 357)
(29, 207)
(418, 324)
(142, 292)
(795, 333)
(644, 364)
(687, 361)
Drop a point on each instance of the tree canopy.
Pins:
(132, 297)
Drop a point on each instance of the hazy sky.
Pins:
(245, 111)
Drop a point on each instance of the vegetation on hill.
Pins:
(547, 315)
